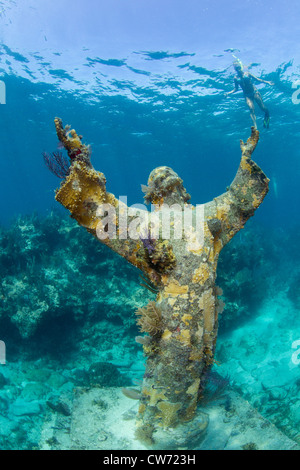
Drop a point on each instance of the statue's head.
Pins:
(165, 186)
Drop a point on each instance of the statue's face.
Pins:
(165, 184)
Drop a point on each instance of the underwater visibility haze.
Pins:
(188, 345)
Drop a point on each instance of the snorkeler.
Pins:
(251, 94)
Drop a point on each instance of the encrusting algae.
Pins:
(183, 322)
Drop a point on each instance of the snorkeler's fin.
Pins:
(267, 122)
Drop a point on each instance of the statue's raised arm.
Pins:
(229, 212)
(83, 192)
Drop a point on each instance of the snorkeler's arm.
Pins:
(83, 193)
(245, 194)
(236, 87)
(260, 80)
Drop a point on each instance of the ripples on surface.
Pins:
(140, 110)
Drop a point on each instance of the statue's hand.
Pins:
(249, 147)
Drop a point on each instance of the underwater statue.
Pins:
(181, 325)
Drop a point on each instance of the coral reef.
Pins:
(50, 272)
(180, 357)
(103, 374)
(245, 277)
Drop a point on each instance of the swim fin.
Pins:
(267, 122)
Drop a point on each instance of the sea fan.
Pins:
(57, 163)
(149, 320)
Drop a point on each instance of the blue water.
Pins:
(144, 82)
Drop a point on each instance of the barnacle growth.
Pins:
(183, 322)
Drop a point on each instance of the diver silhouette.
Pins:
(244, 80)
